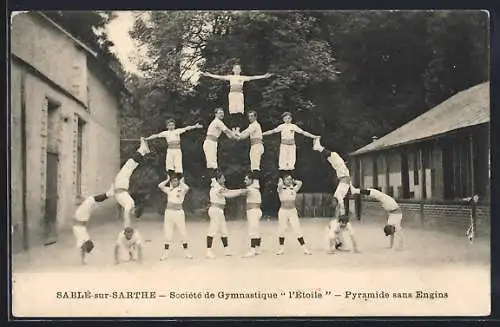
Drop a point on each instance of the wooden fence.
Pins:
(197, 202)
(426, 214)
(452, 216)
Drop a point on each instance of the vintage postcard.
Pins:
(250, 163)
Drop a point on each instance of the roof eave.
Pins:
(74, 39)
(93, 54)
(393, 146)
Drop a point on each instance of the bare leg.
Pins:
(341, 208)
(331, 246)
(336, 209)
(127, 203)
(126, 218)
(83, 259)
(398, 235)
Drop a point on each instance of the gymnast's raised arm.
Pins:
(251, 78)
(221, 77)
(272, 131)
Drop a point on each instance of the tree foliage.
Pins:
(346, 75)
(90, 28)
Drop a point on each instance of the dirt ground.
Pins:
(436, 264)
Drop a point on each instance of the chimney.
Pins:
(374, 138)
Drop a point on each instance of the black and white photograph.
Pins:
(252, 163)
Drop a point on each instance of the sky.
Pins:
(124, 46)
(127, 50)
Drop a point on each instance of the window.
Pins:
(367, 166)
(404, 191)
(426, 172)
(79, 156)
(53, 125)
(457, 168)
(489, 164)
(375, 172)
(400, 192)
(416, 168)
(361, 173)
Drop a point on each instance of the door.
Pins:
(405, 178)
(51, 198)
(448, 170)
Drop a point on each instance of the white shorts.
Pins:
(253, 217)
(285, 216)
(287, 157)
(256, 152)
(217, 222)
(210, 149)
(125, 200)
(172, 219)
(236, 102)
(122, 179)
(341, 191)
(339, 195)
(81, 235)
(173, 160)
(395, 220)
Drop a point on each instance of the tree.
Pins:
(461, 54)
(343, 74)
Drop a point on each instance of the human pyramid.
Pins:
(129, 240)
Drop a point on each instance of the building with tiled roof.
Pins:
(431, 164)
(442, 154)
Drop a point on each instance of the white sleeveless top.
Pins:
(216, 127)
(387, 202)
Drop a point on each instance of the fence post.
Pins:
(303, 204)
(422, 217)
(474, 217)
(346, 204)
(357, 200)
